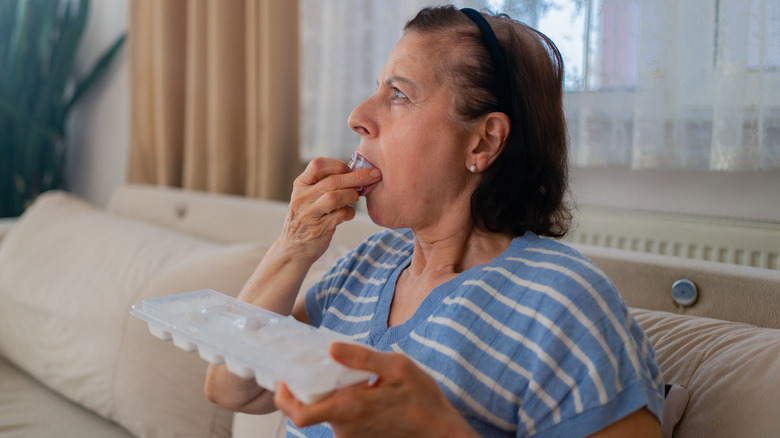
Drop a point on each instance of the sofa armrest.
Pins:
(728, 292)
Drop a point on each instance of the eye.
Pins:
(398, 95)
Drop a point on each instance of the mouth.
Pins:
(357, 162)
(364, 190)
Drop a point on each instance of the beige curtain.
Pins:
(214, 95)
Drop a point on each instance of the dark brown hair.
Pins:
(524, 189)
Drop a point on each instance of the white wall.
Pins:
(98, 127)
(739, 195)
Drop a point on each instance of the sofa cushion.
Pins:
(675, 402)
(728, 368)
(69, 274)
(29, 409)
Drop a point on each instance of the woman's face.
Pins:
(408, 130)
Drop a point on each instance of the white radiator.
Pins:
(732, 241)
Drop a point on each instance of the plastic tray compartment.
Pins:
(251, 341)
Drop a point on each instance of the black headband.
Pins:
(497, 56)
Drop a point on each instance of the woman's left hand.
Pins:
(403, 401)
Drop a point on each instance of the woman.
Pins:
(485, 327)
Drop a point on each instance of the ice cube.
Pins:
(358, 162)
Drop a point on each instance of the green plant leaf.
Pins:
(38, 44)
(97, 71)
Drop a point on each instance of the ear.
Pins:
(492, 133)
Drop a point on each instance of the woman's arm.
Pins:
(322, 199)
(640, 424)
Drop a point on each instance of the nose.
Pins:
(363, 120)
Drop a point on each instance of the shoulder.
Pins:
(571, 330)
(567, 292)
(548, 255)
(537, 268)
(559, 303)
(541, 288)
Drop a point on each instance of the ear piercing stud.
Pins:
(473, 168)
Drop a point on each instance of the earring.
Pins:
(473, 168)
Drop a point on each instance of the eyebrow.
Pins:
(389, 81)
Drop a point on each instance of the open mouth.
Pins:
(357, 162)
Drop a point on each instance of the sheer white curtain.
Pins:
(680, 85)
(651, 84)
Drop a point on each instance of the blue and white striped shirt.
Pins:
(537, 342)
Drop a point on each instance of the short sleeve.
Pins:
(319, 296)
(610, 364)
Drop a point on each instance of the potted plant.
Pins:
(38, 88)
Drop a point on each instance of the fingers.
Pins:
(335, 175)
(319, 169)
(385, 365)
(303, 415)
(286, 402)
(345, 403)
(322, 199)
(358, 178)
(321, 203)
(327, 189)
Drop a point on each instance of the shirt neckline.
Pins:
(380, 335)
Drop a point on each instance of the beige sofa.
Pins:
(74, 363)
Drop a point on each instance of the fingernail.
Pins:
(375, 173)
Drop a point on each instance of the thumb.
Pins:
(357, 356)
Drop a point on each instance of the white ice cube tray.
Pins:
(251, 341)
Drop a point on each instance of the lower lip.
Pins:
(367, 189)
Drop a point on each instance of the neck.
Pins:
(448, 254)
(437, 258)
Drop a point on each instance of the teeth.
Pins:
(358, 162)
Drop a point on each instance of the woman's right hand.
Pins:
(322, 199)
